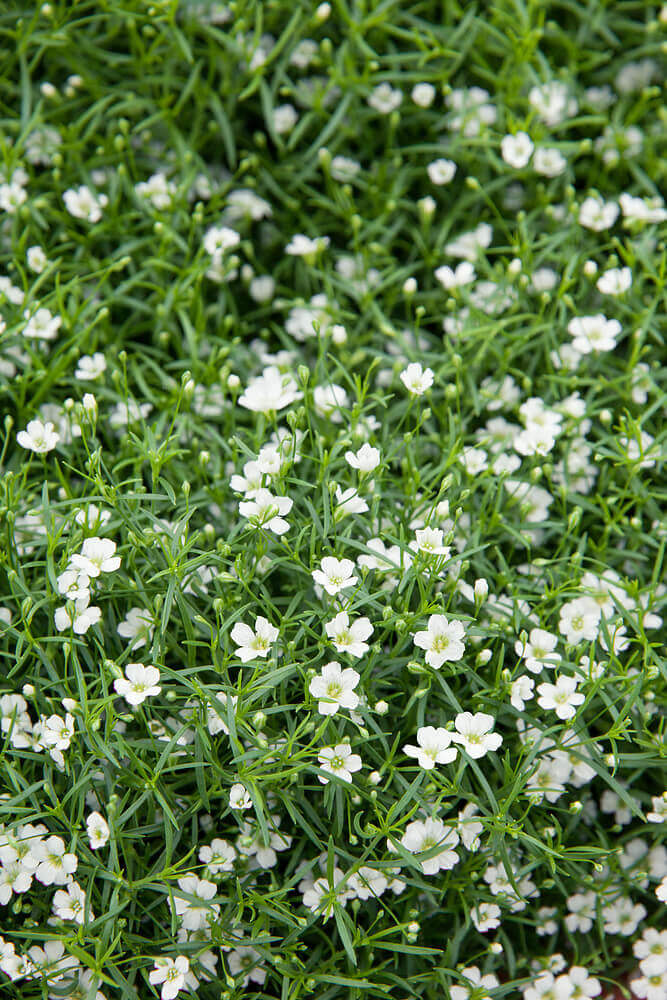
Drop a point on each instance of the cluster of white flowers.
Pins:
(379, 432)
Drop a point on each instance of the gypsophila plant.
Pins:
(332, 538)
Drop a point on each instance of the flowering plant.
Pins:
(332, 551)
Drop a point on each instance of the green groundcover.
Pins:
(332, 538)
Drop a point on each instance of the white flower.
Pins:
(57, 732)
(576, 983)
(329, 401)
(158, 190)
(83, 204)
(429, 541)
(416, 379)
(97, 556)
(552, 102)
(41, 325)
(196, 914)
(593, 333)
(304, 246)
(219, 857)
(653, 987)
(658, 814)
(441, 171)
(474, 460)
(321, 897)
(349, 638)
(285, 118)
(267, 510)
(70, 903)
(239, 797)
(622, 916)
(477, 985)
(344, 169)
(349, 501)
(522, 691)
(365, 460)
(434, 747)
(597, 215)
(424, 835)
(216, 715)
(469, 827)
(79, 615)
(12, 196)
(171, 973)
(579, 619)
(14, 878)
(456, 277)
(641, 449)
(335, 574)
(39, 437)
(137, 626)
(469, 245)
(385, 98)
(367, 883)
(473, 733)
(423, 94)
(98, 830)
(139, 683)
(334, 687)
(244, 960)
(338, 761)
(128, 412)
(92, 517)
(549, 162)
(562, 696)
(582, 911)
(615, 281)
(649, 210)
(442, 640)
(219, 239)
(485, 917)
(516, 150)
(538, 652)
(254, 644)
(269, 391)
(90, 367)
(55, 866)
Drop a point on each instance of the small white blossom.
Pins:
(441, 171)
(253, 644)
(425, 835)
(335, 574)
(562, 696)
(365, 460)
(239, 797)
(82, 203)
(349, 637)
(171, 973)
(442, 640)
(338, 761)
(139, 683)
(98, 830)
(39, 437)
(473, 733)
(516, 150)
(416, 379)
(434, 747)
(334, 687)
